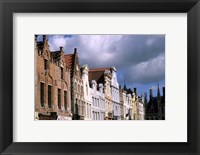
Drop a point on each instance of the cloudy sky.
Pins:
(139, 59)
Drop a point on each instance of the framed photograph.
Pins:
(79, 76)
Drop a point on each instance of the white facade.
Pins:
(140, 108)
(98, 101)
(87, 93)
(115, 94)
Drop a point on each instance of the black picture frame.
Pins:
(8, 7)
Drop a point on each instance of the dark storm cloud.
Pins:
(138, 58)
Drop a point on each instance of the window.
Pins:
(49, 96)
(88, 110)
(65, 99)
(76, 108)
(62, 73)
(45, 64)
(42, 94)
(59, 99)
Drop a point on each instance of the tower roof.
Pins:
(158, 93)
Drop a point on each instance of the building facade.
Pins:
(126, 103)
(52, 83)
(108, 95)
(104, 76)
(134, 104)
(155, 109)
(77, 94)
(115, 94)
(87, 93)
(123, 101)
(140, 108)
(98, 101)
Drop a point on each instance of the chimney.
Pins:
(61, 48)
(163, 91)
(125, 87)
(158, 93)
(151, 94)
(75, 50)
(135, 91)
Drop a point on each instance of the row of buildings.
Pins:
(64, 90)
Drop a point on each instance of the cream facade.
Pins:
(115, 94)
(134, 104)
(141, 108)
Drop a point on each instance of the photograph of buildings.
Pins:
(99, 77)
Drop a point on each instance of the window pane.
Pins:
(49, 96)
(59, 99)
(45, 64)
(42, 94)
(65, 99)
(62, 73)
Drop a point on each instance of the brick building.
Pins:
(52, 83)
(77, 94)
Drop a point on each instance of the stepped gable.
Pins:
(56, 55)
(68, 60)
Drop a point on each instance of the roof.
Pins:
(68, 60)
(97, 74)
